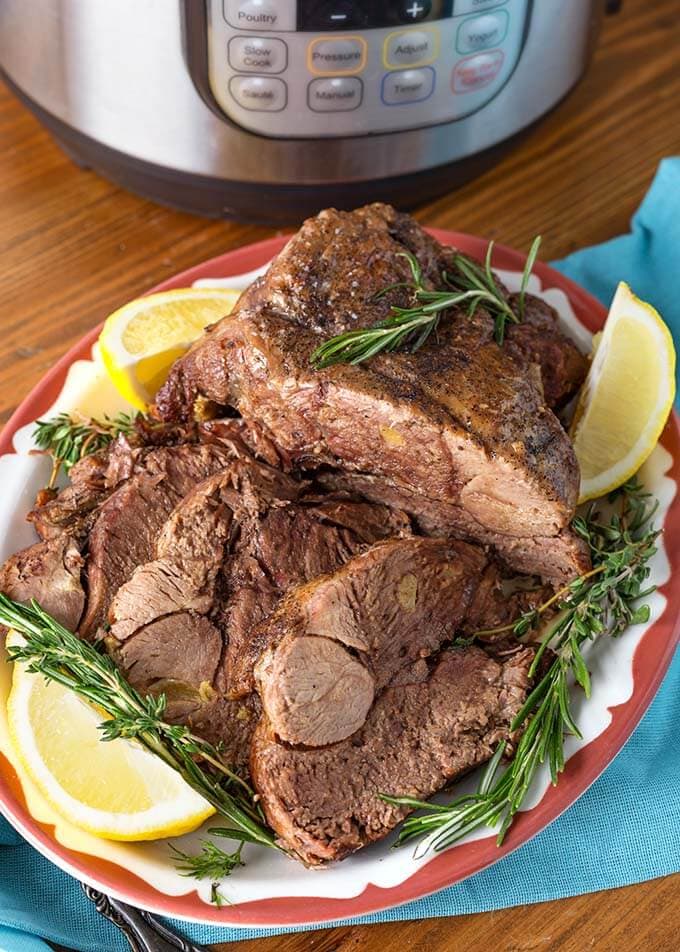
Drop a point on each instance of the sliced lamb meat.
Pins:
(461, 422)
(418, 737)
(556, 558)
(338, 641)
(224, 558)
(73, 508)
(50, 573)
(129, 521)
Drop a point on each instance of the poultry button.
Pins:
(261, 14)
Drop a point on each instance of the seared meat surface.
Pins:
(418, 737)
(462, 423)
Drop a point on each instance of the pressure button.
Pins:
(342, 54)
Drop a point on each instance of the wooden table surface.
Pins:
(73, 247)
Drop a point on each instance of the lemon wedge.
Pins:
(627, 396)
(114, 789)
(141, 340)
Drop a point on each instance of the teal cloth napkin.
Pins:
(624, 829)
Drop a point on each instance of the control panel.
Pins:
(320, 68)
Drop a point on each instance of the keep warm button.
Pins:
(476, 72)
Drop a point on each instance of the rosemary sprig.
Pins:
(469, 286)
(53, 651)
(604, 601)
(211, 863)
(68, 439)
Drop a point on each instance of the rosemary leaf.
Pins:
(68, 439)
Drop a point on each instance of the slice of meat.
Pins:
(50, 573)
(129, 521)
(324, 803)
(557, 558)
(460, 422)
(225, 556)
(338, 641)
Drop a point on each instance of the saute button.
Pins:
(475, 72)
(472, 6)
(340, 94)
(481, 33)
(344, 54)
(259, 93)
(257, 54)
(407, 85)
(261, 14)
(410, 48)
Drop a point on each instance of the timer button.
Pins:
(410, 48)
(261, 14)
(407, 86)
(257, 54)
(259, 93)
(339, 94)
(481, 33)
(342, 54)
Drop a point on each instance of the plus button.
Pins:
(415, 9)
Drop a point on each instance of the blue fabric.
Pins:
(624, 829)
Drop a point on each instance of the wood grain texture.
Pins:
(73, 247)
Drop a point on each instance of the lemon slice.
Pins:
(113, 789)
(627, 396)
(141, 340)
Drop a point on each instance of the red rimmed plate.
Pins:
(627, 674)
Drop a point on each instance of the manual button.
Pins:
(259, 93)
(410, 48)
(407, 85)
(340, 94)
(342, 54)
(257, 54)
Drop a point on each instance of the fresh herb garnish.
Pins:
(470, 286)
(211, 863)
(53, 651)
(604, 601)
(68, 439)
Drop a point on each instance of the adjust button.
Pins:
(410, 48)
(257, 54)
(339, 94)
(261, 14)
(259, 93)
(342, 54)
(481, 33)
(407, 85)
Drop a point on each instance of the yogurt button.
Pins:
(482, 33)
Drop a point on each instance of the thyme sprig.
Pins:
(469, 286)
(603, 601)
(51, 650)
(68, 438)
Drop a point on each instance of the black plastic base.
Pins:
(260, 203)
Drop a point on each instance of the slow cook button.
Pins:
(340, 94)
(475, 72)
(261, 14)
(410, 48)
(259, 93)
(342, 54)
(481, 33)
(257, 54)
(407, 85)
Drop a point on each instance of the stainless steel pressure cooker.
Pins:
(272, 109)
